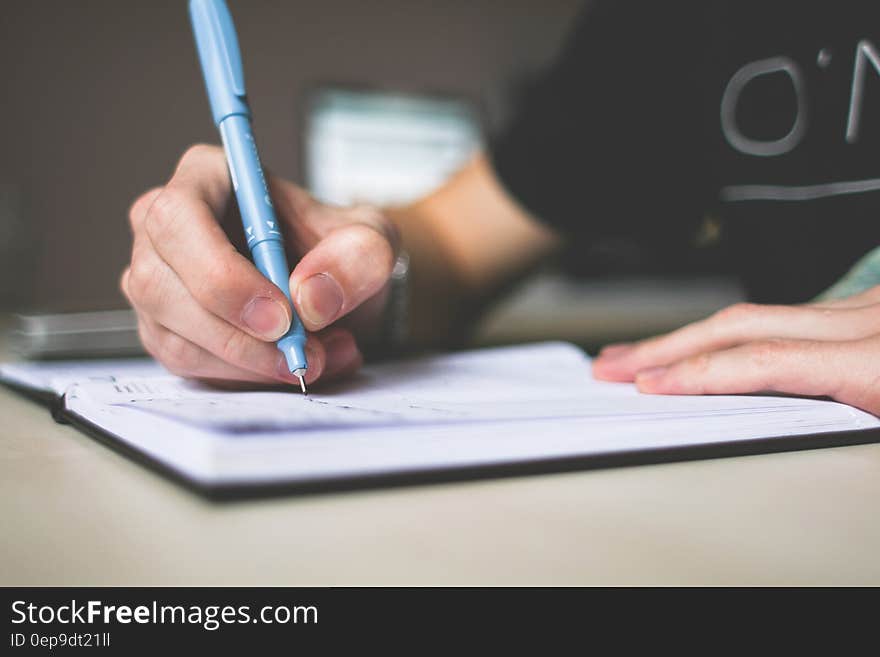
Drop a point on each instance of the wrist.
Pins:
(392, 335)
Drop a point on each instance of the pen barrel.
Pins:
(249, 182)
(217, 46)
(261, 228)
(270, 260)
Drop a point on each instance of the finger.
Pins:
(342, 354)
(304, 219)
(184, 358)
(138, 210)
(154, 290)
(167, 303)
(615, 350)
(737, 325)
(845, 371)
(181, 225)
(350, 265)
(860, 300)
(203, 170)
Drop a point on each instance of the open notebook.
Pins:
(510, 409)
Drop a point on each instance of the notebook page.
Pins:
(487, 390)
(542, 382)
(57, 376)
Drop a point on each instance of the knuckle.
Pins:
(138, 209)
(197, 152)
(699, 365)
(141, 279)
(216, 281)
(233, 346)
(123, 282)
(162, 215)
(374, 218)
(178, 354)
(737, 312)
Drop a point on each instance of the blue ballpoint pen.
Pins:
(219, 55)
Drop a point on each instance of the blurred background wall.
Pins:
(100, 98)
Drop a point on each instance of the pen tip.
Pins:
(302, 384)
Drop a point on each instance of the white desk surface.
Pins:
(73, 512)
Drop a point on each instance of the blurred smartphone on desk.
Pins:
(97, 334)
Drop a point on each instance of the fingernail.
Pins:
(316, 366)
(319, 298)
(266, 317)
(650, 376)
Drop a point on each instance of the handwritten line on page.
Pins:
(465, 409)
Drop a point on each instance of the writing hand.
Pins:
(204, 311)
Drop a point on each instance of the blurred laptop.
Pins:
(97, 334)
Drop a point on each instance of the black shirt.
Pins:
(762, 114)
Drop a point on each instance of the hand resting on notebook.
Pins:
(828, 348)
